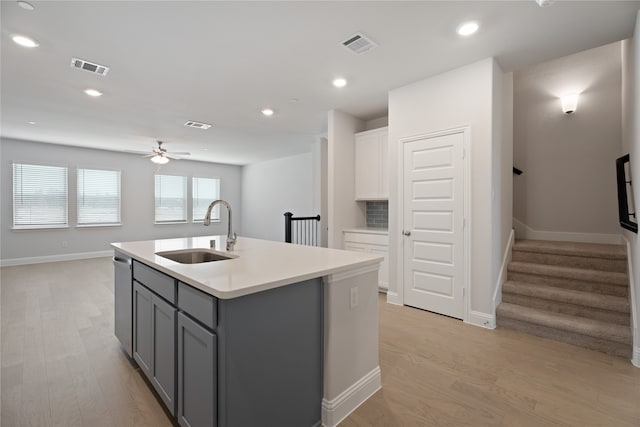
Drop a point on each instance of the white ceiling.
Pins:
(222, 62)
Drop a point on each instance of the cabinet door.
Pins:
(367, 153)
(197, 374)
(142, 328)
(384, 165)
(383, 273)
(164, 351)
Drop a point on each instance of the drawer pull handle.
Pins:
(406, 233)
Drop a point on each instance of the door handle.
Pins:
(406, 233)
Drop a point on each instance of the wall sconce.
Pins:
(569, 103)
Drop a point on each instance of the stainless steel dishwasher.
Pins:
(123, 296)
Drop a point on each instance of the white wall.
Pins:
(137, 200)
(321, 160)
(569, 181)
(343, 211)
(380, 122)
(462, 97)
(271, 188)
(631, 145)
(502, 176)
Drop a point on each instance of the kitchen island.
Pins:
(278, 334)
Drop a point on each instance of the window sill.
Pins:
(170, 223)
(39, 227)
(201, 221)
(98, 225)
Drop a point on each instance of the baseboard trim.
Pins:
(635, 360)
(393, 298)
(54, 258)
(502, 277)
(336, 410)
(484, 320)
(523, 231)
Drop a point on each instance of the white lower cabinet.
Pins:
(371, 241)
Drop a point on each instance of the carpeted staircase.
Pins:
(571, 292)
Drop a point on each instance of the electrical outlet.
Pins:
(353, 300)
(65, 243)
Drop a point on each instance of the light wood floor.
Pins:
(61, 365)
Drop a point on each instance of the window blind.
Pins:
(98, 197)
(204, 191)
(171, 198)
(39, 196)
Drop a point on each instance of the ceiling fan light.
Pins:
(545, 3)
(161, 160)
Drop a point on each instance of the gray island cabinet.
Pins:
(254, 360)
(269, 334)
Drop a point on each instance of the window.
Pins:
(171, 199)
(39, 196)
(98, 197)
(205, 191)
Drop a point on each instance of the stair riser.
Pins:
(598, 344)
(567, 308)
(579, 285)
(591, 263)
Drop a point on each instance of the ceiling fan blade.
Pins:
(141, 153)
(181, 153)
(171, 156)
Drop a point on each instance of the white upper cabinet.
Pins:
(372, 165)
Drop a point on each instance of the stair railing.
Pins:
(301, 230)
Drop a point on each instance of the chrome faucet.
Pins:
(231, 237)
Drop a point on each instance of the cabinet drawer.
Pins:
(356, 247)
(199, 305)
(368, 238)
(159, 283)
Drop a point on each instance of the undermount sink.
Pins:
(195, 256)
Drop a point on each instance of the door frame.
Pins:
(466, 200)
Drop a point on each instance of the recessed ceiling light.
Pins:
(25, 5)
(467, 28)
(206, 149)
(24, 41)
(340, 82)
(93, 92)
(31, 122)
(267, 112)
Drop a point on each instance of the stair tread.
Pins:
(600, 276)
(597, 250)
(569, 296)
(560, 321)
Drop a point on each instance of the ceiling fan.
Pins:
(161, 156)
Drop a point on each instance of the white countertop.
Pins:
(260, 264)
(369, 230)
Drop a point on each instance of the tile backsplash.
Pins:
(378, 214)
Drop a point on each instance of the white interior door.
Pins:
(433, 221)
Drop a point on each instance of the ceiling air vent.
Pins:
(359, 43)
(197, 125)
(81, 64)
